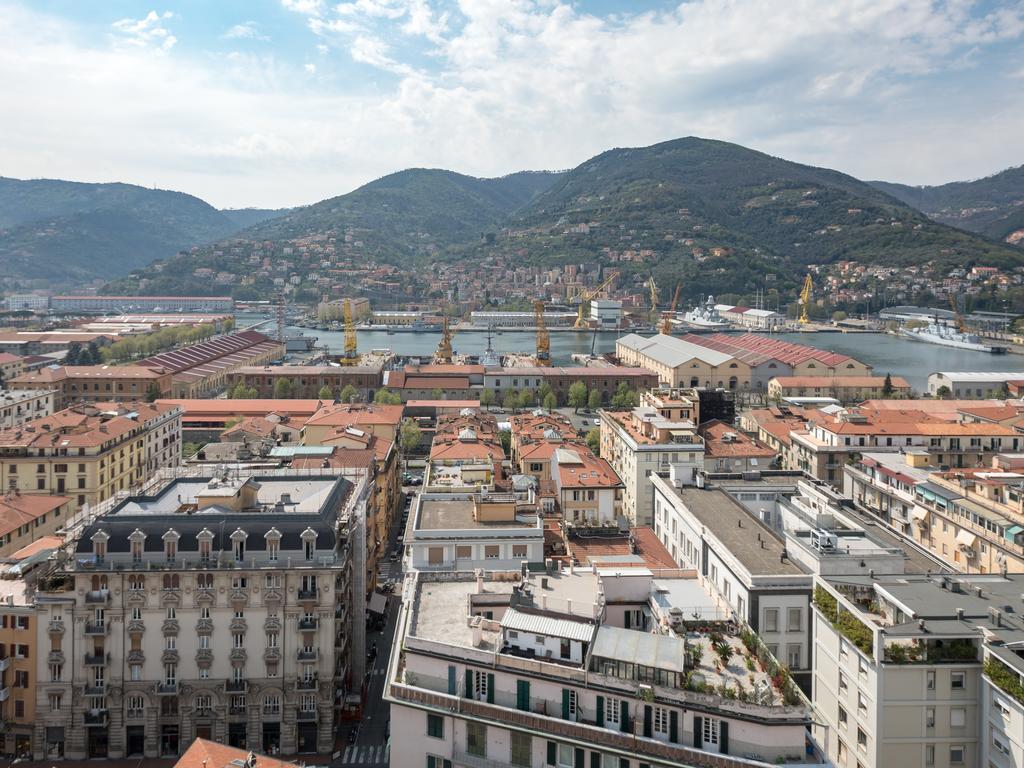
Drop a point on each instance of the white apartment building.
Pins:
(587, 488)
(606, 313)
(920, 670)
(217, 607)
(20, 405)
(644, 441)
(463, 531)
(511, 670)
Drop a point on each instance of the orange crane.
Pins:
(543, 336)
(961, 324)
(443, 354)
(805, 300)
(351, 356)
(666, 318)
(586, 296)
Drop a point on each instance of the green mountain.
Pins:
(992, 206)
(65, 232)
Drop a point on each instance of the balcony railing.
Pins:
(310, 593)
(97, 596)
(307, 684)
(307, 654)
(95, 689)
(97, 628)
(5, 693)
(310, 622)
(166, 689)
(95, 718)
(236, 686)
(306, 716)
(96, 659)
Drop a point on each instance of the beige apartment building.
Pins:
(25, 518)
(97, 382)
(20, 405)
(219, 607)
(18, 667)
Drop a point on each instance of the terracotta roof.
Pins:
(764, 348)
(39, 545)
(648, 547)
(7, 357)
(210, 352)
(590, 472)
(17, 510)
(827, 382)
(51, 374)
(254, 407)
(253, 425)
(941, 409)
(992, 412)
(203, 753)
(740, 446)
(345, 414)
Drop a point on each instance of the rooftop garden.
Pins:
(919, 652)
(848, 625)
(1004, 678)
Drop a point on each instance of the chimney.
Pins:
(921, 625)
(959, 614)
(479, 581)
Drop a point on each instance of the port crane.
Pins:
(585, 296)
(805, 300)
(653, 288)
(543, 336)
(443, 353)
(666, 318)
(961, 324)
(351, 355)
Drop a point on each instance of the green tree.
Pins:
(283, 389)
(153, 393)
(505, 438)
(348, 394)
(409, 436)
(325, 393)
(838, 316)
(577, 396)
(594, 440)
(385, 396)
(73, 353)
(487, 398)
(888, 390)
(625, 397)
(511, 401)
(543, 392)
(93, 351)
(943, 392)
(594, 399)
(550, 401)
(526, 399)
(437, 393)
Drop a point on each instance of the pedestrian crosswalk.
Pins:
(366, 755)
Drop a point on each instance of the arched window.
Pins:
(309, 543)
(171, 581)
(238, 544)
(273, 538)
(137, 543)
(694, 381)
(732, 382)
(170, 540)
(99, 545)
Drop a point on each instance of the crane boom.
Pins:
(543, 336)
(443, 354)
(961, 324)
(805, 300)
(666, 320)
(351, 345)
(586, 296)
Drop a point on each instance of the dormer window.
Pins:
(137, 542)
(238, 544)
(99, 545)
(273, 538)
(171, 545)
(205, 539)
(309, 543)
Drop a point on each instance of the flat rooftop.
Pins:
(455, 514)
(747, 538)
(308, 496)
(441, 610)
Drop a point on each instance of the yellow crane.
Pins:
(666, 320)
(351, 356)
(586, 296)
(805, 300)
(443, 354)
(653, 288)
(543, 336)
(961, 324)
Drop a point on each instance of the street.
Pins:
(371, 745)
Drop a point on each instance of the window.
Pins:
(956, 754)
(660, 720)
(520, 749)
(135, 672)
(793, 656)
(929, 717)
(479, 683)
(203, 705)
(574, 704)
(842, 717)
(930, 681)
(929, 754)
(862, 704)
(711, 728)
(771, 618)
(842, 682)
(957, 717)
(238, 640)
(491, 552)
(518, 550)
(476, 739)
(612, 712)
(957, 680)
(272, 639)
(862, 740)
(56, 701)
(795, 619)
(463, 552)
(56, 672)
(435, 726)
(1000, 742)
(271, 705)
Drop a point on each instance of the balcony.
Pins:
(236, 686)
(170, 627)
(239, 655)
(241, 711)
(5, 693)
(166, 689)
(95, 718)
(53, 657)
(170, 656)
(305, 716)
(309, 622)
(307, 684)
(239, 625)
(96, 659)
(97, 596)
(136, 656)
(307, 654)
(272, 595)
(272, 654)
(239, 596)
(308, 594)
(136, 626)
(95, 689)
(204, 593)
(97, 628)
(204, 626)
(56, 627)
(204, 656)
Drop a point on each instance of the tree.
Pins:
(283, 389)
(594, 440)
(437, 393)
(385, 396)
(577, 396)
(153, 393)
(838, 316)
(242, 392)
(888, 390)
(625, 397)
(409, 435)
(544, 391)
(550, 401)
(511, 401)
(487, 398)
(505, 438)
(72, 355)
(325, 393)
(943, 392)
(594, 399)
(93, 351)
(348, 394)
(526, 399)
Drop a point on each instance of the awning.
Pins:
(920, 513)
(966, 538)
(378, 603)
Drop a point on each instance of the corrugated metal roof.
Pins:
(547, 625)
(662, 651)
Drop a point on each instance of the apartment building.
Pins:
(330, 419)
(585, 488)
(10, 366)
(90, 454)
(218, 607)
(846, 389)
(19, 653)
(726, 449)
(306, 381)
(20, 405)
(884, 483)
(75, 383)
(534, 437)
(646, 440)
(919, 670)
(972, 384)
(24, 519)
(521, 669)
(464, 531)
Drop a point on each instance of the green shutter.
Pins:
(469, 683)
(552, 753)
(452, 685)
(698, 732)
(579, 758)
(648, 721)
(673, 727)
(627, 620)
(624, 716)
(723, 738)
(595, 760)
(490, 688)
(600, 711)
(523, 695)
(565, 703)
(430, 761)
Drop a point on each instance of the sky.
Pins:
(275, 103)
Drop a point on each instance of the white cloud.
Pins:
(147, 32)
(247, 30)
(864, 86)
